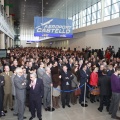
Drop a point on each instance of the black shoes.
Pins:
(99, 109)
(11, 109)
(40, 118)
(24, 117)
(63, 106)
(5, 111)
(31, 118)
(68, 105)
(46, 109)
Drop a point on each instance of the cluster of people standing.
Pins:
(28, 75)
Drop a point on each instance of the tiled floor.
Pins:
(76, 112)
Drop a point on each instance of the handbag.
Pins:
(77, 92)
(95, 91)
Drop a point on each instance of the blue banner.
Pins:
(52, 27)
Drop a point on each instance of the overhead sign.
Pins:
(52, 27)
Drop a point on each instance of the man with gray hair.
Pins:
(47, 81)
(36, 93)
(20, 88)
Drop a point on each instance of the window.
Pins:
(115, 15)
(94, 16)
(99, 14)
(94, 22)
(89, 18)
(84, 12)
(99, 5)
(107, 3)
(115, 8)
(94, 8)
(88, 10)
(115, 1)
(107, 11)
(106, 18)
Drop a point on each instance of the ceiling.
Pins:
(25, 10)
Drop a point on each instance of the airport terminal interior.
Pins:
(68, 40)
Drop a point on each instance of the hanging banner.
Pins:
(52, 27)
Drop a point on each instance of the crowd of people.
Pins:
(28, 75)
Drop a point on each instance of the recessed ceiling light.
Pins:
(46, 2)
(25, 0)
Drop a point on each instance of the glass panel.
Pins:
(107, 3)
(94, 16)
(115, 15)
(88, 10)
(114, 1)
(79, 21)
(88, 18)
(94, 22)
(94, 8)
(84, 25)
(106, 18)
(70, 18)
(84, 12)
(99, 14)
(76, 22)
(74, 18)
(107, 11)
(76, 27)
(115, 8)
(84, 20)
(99, 20)
(77, 16)
(88, 23)
(99, 5)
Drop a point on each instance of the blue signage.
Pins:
(52, 27)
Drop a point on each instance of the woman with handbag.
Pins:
(75, 85)
(93, 83)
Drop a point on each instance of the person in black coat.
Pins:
(66, 78)
(36, 94)
(2, 82)
(83, 80)
(105, 90)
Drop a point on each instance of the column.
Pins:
(102, 10)
(2, 41)
(11, 20)
(2, 2)
(8, 42)
(7, 10)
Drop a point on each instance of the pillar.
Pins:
(2, 41)
(2, 2)
(7, 10)
(8, 42)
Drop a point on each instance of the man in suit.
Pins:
(2, 83)
(83, 80)
(20, 89)
(66, 78)
(47, 81)
(14, 66)
(105, 90)
(35, 95)
(41, 70)
(7, 88)
(70, 64)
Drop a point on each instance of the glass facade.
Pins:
(101, 11)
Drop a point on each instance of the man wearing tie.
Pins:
(20, 89)
(36, 93)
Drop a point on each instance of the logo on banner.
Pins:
(52, 27)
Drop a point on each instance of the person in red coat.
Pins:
(93, 82)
